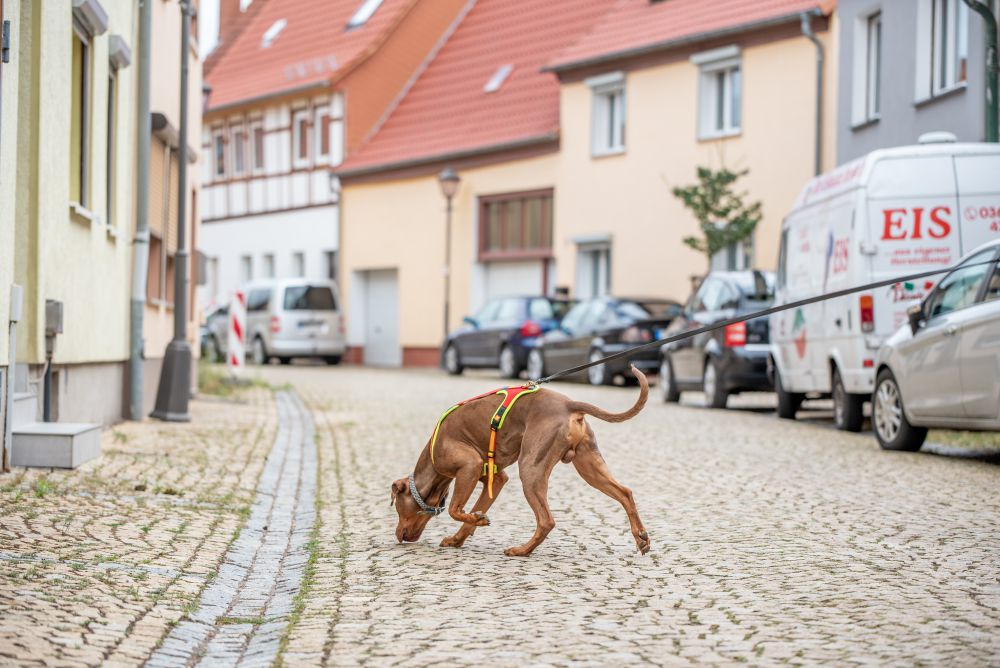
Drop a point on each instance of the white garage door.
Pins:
(382, 319)
(504, 279)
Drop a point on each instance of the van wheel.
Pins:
(892, 430)
(285, 360)
(668, 385)
(788, 402)
(848, 409)
(260, 357)
(332, 359)
(716, 395)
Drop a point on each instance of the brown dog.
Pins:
(541, 429)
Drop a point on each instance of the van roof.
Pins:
(855, 174)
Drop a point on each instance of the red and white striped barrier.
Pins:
(236, 357)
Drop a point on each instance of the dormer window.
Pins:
(364, 13)
(272, 33)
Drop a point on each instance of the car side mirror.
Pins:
(471, 321)
(915, 314)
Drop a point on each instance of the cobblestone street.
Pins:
(772, 542)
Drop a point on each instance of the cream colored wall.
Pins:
(80, 262)
(164, 97)
(629, 195)
(401, 224)
(8, 191)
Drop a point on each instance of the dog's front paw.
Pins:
(452, 541)
(516, 552)
(481, 520)
(642, 542)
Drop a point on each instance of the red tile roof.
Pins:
(447, 112)
(635, 26)
(313, 48)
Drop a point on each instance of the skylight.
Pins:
(493, 85)
(272, 33)
(364, 13)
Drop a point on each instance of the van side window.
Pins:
(257, 300)
(782, 257)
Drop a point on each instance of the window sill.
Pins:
(161, 303)
(943, 93)
(867, 123)
(607, 152)
(720, 135)
(78, 213)
(112, 232)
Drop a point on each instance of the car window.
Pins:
(257, 300)
(510, 310)
(632, 311)
(658, 309)
(993, 287)
(540, 309)
(959, 288)
(309, 298)
(597, 312)
(575, 316)
(713, 295)
(488, 313)
(561, 308)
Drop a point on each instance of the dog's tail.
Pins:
(601, 414)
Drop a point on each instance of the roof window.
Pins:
(493, 85)
(272, 33)
(364, 13)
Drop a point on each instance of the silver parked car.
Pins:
(294, 317)
(942, 369)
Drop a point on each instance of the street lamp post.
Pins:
(449, 186)
(175, 376)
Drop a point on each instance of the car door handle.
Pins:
(951, 331)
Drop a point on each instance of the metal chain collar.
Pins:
(426, 509)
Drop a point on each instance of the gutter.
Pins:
(806, 19)
(559, 68)
(992, 69)
(454, 155)
(324, 84)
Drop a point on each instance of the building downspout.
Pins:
(140, 246)
(992, 69)
(806, 18)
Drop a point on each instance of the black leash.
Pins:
(758, 314)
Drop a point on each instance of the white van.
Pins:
(893, 212)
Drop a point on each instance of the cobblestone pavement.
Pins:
(98, 564)
(773, 542)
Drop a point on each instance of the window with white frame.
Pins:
(79, 150)
(301, 138)
(219, 152)
(942, 46)
(720, 92)
(238, 134)
(268, 265)
(365, 11)
(323, 133)
(111, 147)
(257, 144)
(608, 118)
(866, 103)
(298, 264)
(246, 268)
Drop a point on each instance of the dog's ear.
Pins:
(398, 488)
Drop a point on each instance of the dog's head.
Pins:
(411, 520)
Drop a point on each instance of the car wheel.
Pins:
(715, 390)
(848, 409)
(259, 352)
(508, 363)
(214, 350)
(332, 359)
(452, 363)
(536, 364)
(597, 374)
(892, 430)
(788, 402)
(668, 388)
(284, 360)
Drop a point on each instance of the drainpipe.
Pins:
(992, 68)
(140, 247)
(806, 18)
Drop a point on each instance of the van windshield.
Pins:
(309, 298)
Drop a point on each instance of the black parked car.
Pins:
(724, 361)
(501, 334)
(600, 327)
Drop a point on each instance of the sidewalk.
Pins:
(97, 565)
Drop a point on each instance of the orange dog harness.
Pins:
(511, 394)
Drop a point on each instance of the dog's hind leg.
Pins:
(591, 466)
(535, 482)
(482, 506)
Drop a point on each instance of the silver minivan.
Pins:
(294, 317)
(942, 369)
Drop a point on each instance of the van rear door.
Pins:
(913, 227)
(310, 313)
(978, 199)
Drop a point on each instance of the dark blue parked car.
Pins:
(502, 333)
